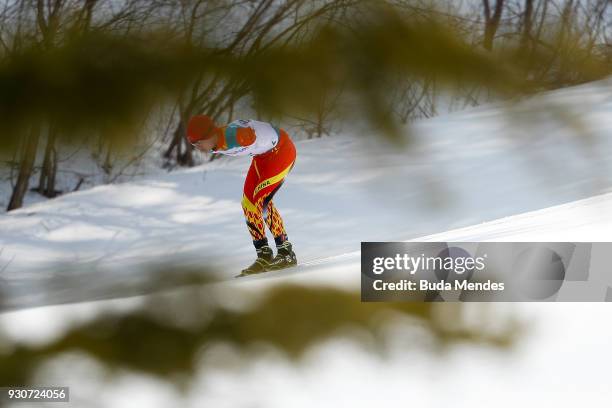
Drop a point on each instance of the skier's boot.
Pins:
(262, 263)
(285, 257)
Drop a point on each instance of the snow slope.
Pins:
(587, 220)
(461, 169)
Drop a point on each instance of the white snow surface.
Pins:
(458, 170)
(478, 175)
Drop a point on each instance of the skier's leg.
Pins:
(270, 213)
(275, 224)
(253, 209)
(285, 256)
(265, 177)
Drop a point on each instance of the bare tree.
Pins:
(27, 159)
(492, 19)
(268, 23)
(48, 171)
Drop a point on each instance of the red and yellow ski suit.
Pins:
(273, 155)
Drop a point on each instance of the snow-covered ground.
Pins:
(560, 359)
(461, 169)
(484, 174)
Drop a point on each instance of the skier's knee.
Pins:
(247, 205)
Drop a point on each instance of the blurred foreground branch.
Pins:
(165, 335)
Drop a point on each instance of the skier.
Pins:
(273, 155)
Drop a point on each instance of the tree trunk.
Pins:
(51, 191)
(107, 166)
(491, 22)
(25, 170)
(527, 24)
(179, 145)
(46, 182)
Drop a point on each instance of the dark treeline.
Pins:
(98, 72)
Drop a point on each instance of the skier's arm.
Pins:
(267, 136)
(230, 137)
(246, 137)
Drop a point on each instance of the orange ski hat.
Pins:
(200, 127)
